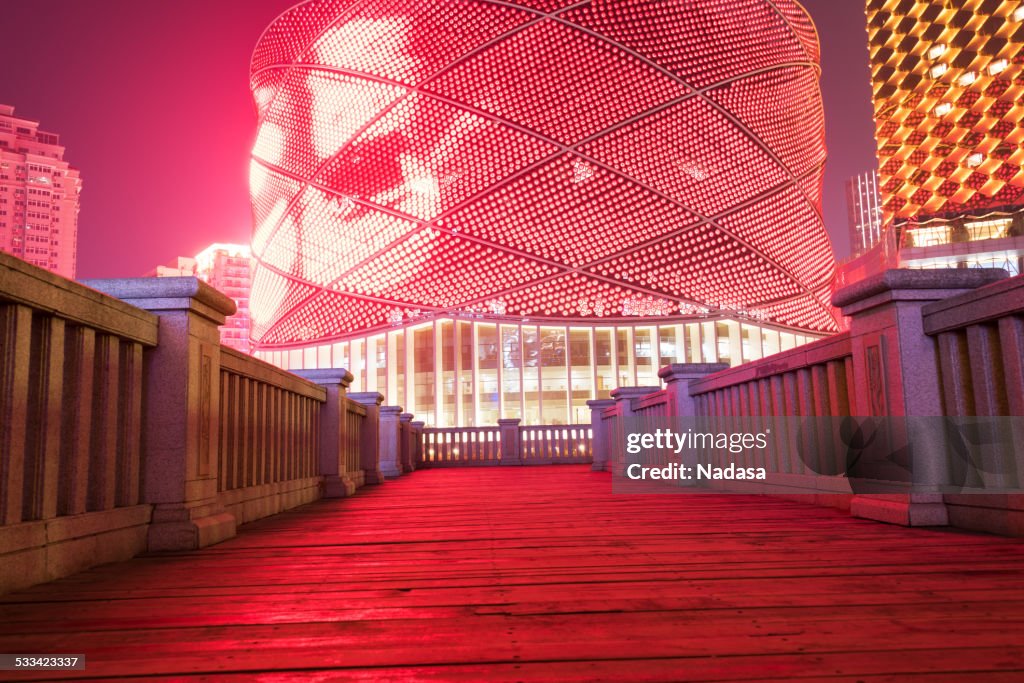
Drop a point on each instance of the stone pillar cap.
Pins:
(916, 279)
(600, 402)
(167, 294)
(369, 398)
(677, 371)
(327, 376)
(633, 392)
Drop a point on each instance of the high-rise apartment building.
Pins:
(39, 195)
(226, 267)
(183, 266)
(864, 204)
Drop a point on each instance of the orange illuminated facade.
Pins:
(949, 106)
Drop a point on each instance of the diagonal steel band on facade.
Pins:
(543, 161)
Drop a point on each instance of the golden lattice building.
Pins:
(949, 106)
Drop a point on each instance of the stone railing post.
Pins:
(896, 371)
(336, 480)
(599, 443)
(369, 447)
(406, 432)
(677, 379)
(511, 447)
(623, 397)
(417, 443)
(180, 425)
(390, 442)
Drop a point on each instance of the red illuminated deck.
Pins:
(542, 574)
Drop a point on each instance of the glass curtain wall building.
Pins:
(468, 372)
(494, 209)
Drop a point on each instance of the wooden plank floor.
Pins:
(542, 574)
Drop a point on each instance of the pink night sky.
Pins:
(152, 101)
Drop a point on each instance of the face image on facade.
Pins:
(503, 209)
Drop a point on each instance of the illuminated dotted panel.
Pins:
(811, 185)
(569, 296)
(822, 309)
(809, 312)
(292, 32)
(705, 265)
(270, 199)
(333, 108)
(410, 40)
(277, 295)
(431, 268)
(554, 212)
(546, 6)
(804, 312)
(693, 154)
(328, 315)
(308, 245)
(948, 82)
(454, 198)
(802, 26)
(454, 155)
(771, 104)
(265, 86)
(723, 38)
(523, 79)
(790, 211)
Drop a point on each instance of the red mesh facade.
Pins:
(540, 158)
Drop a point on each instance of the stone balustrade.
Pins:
(920, 343)
(509, 443)
(71, 425)
(461, 446)
(410, 441)
(555, 444)
(126, 427)
(271, 441)
(980, 347)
